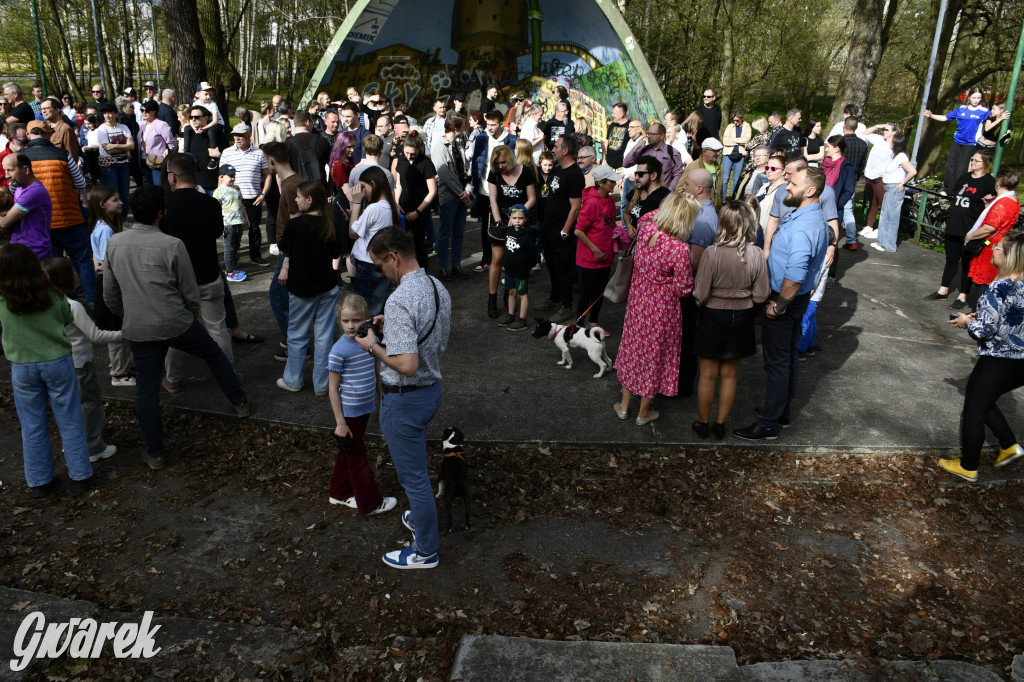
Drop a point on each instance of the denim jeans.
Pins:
(780, 339)
(305, 312)
(850, 222)
(736, 169)
(453, 226)
(232, 240)
(371, 285)
(118, 177)
(403, 421)
(75, 242)
(153, 175)
(889, 222)
(33, 383)
(279, 300)
(149, 360)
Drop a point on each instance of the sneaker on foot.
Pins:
(83, 486)
(518, 326)
(408, 558)
(281, 355)
(1008, 455)
(259, 262)
(506, 320)
(153, 462)
(536, 268)
(349, 502)
(386, 505)
(41, 491)
(241, 409)
(171, 387)
(953, 467)
(756, 432)
(288, 387)
(126, 380)
(459, 272)
(235, 276)
(482, 267)
(109, 452)
(877, 247)
(784, 423)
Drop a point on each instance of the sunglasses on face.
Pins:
(773, 168)
(379, 267)
(97, 92)
(640, 174)
(195, 118)
(709, 96)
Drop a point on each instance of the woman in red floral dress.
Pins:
(648, 358)
(995, 221)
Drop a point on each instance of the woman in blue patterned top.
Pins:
(998, 327)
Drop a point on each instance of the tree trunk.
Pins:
(729, 68)
(222, 73)
(871, 22)
(185, 47)
(64, 54)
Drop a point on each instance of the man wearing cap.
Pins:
(155, 140)
(671, 161)
(252, 178)
(62, 177)
(63, 135)
(150, 89)
(710, 159)
(132, 96)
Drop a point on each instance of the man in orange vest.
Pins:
(62, 177)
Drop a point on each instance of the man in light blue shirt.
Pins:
(798, 251)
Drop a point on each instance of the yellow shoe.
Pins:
(953, 467)
(1009, 454)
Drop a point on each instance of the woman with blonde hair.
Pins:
(675, 139)
(647, 362)
(731, 279)
(509, 183)
(998, 327)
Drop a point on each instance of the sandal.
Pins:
(702, 429)
(248, 338)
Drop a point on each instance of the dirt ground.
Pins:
(779, 555)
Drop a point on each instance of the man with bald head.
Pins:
(699, 184)
(656, 146)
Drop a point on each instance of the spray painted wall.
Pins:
(417, 50)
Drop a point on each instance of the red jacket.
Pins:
(597, 222)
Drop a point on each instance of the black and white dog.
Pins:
(569, 336)
(454, 479)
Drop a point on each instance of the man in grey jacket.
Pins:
(454, 200)
(149, 282)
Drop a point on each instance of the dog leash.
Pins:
(580, 318)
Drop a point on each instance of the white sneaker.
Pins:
(281, 384)
(871, 234)
(878, 247)
(387, 505)
(350, 502)
(126, 380)
(109, 452)
(865, 231)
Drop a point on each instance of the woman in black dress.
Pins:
(509, 183)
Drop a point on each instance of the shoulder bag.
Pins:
(617, 289)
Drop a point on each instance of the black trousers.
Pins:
(688, 362)
(592, 284)
(956, 256)
(560, 257)
(418, 228)
(956, 165)
(990, 379)
(255, 213)
(779, 340)
(482, 210)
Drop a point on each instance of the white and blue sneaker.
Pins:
(407, 522)
(408, 558)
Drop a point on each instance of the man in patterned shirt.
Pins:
(416, 319)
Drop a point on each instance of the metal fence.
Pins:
(925, 211)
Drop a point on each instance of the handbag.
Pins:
(154, 161)
(105, 160)
(975, 246)
(497, 230)
(735, 155)
(617, 289)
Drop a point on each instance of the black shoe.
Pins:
(756, 432)
(259, 261)
(492, 306)
(83, 486)
(784, 423)
(936, 296)
(444, 276)
(718, 430)
(702, 429)
(41, 491)
(957, 304)
(457, 272)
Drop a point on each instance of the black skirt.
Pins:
(725, 334)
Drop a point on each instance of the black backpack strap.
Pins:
(437, 310)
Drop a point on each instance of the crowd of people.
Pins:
(724, 222)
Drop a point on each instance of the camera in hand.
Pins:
(367, 326)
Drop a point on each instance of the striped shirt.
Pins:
(358, 377)
(249, 166)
